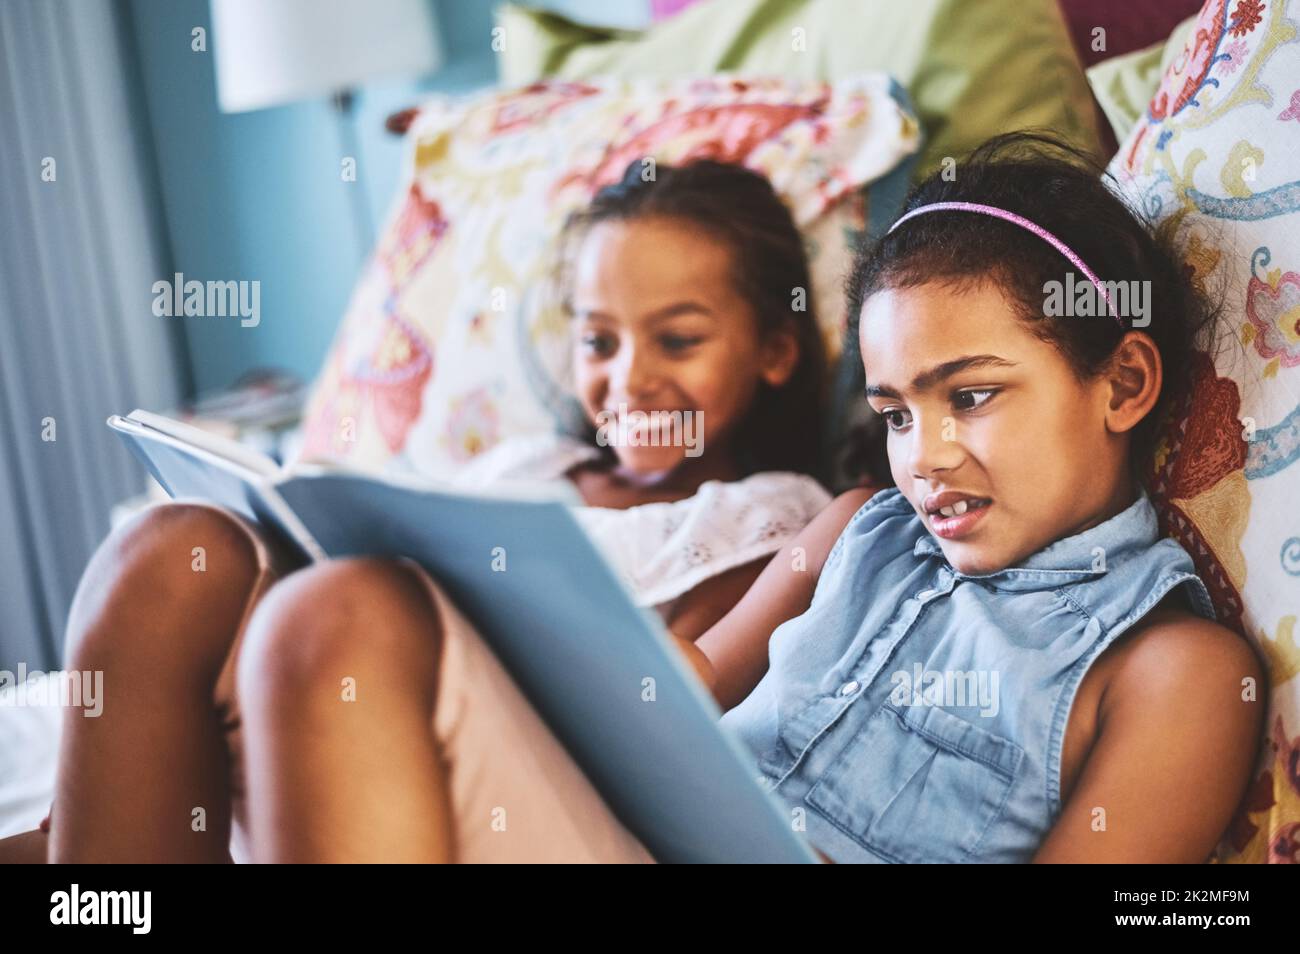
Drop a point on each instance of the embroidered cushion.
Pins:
(1219, 152)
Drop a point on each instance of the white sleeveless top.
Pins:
(663, 550)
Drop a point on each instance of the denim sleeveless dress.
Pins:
(917, 714)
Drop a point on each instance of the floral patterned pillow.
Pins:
(454, 340)
(1219, 152)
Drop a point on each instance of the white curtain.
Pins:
(78, 341)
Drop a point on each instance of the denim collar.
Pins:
(1070, 559)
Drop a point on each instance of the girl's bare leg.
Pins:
(25, 848)
(147, 780)
(336, 679)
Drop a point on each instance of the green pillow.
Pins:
(973, 68)
(1125, 84)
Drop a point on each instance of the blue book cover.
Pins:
(603, 673)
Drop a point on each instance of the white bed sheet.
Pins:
(29, 755)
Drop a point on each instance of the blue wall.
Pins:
(258, 196)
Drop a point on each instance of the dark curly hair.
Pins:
(739, 207)
(1063, 189)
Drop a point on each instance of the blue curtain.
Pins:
(82, 243)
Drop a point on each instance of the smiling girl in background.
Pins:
(697, 381)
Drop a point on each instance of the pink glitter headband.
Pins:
(1024, 223)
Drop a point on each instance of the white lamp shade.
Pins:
(270, 52)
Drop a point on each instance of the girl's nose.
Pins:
(933, 445)
(635, 375)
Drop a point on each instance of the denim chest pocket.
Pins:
(918, 784)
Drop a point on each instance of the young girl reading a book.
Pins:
(998, 659)
(705, 385)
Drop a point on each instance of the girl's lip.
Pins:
(953, 528)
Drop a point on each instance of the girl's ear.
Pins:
(780, 355)
(1134, 375)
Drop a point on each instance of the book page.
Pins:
(214, 444)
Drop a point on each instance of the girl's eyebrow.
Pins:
(941, 372)
(659, 314)
(678, 308)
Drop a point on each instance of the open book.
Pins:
(602, 672)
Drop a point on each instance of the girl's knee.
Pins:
(336, 620)
(173, 579)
